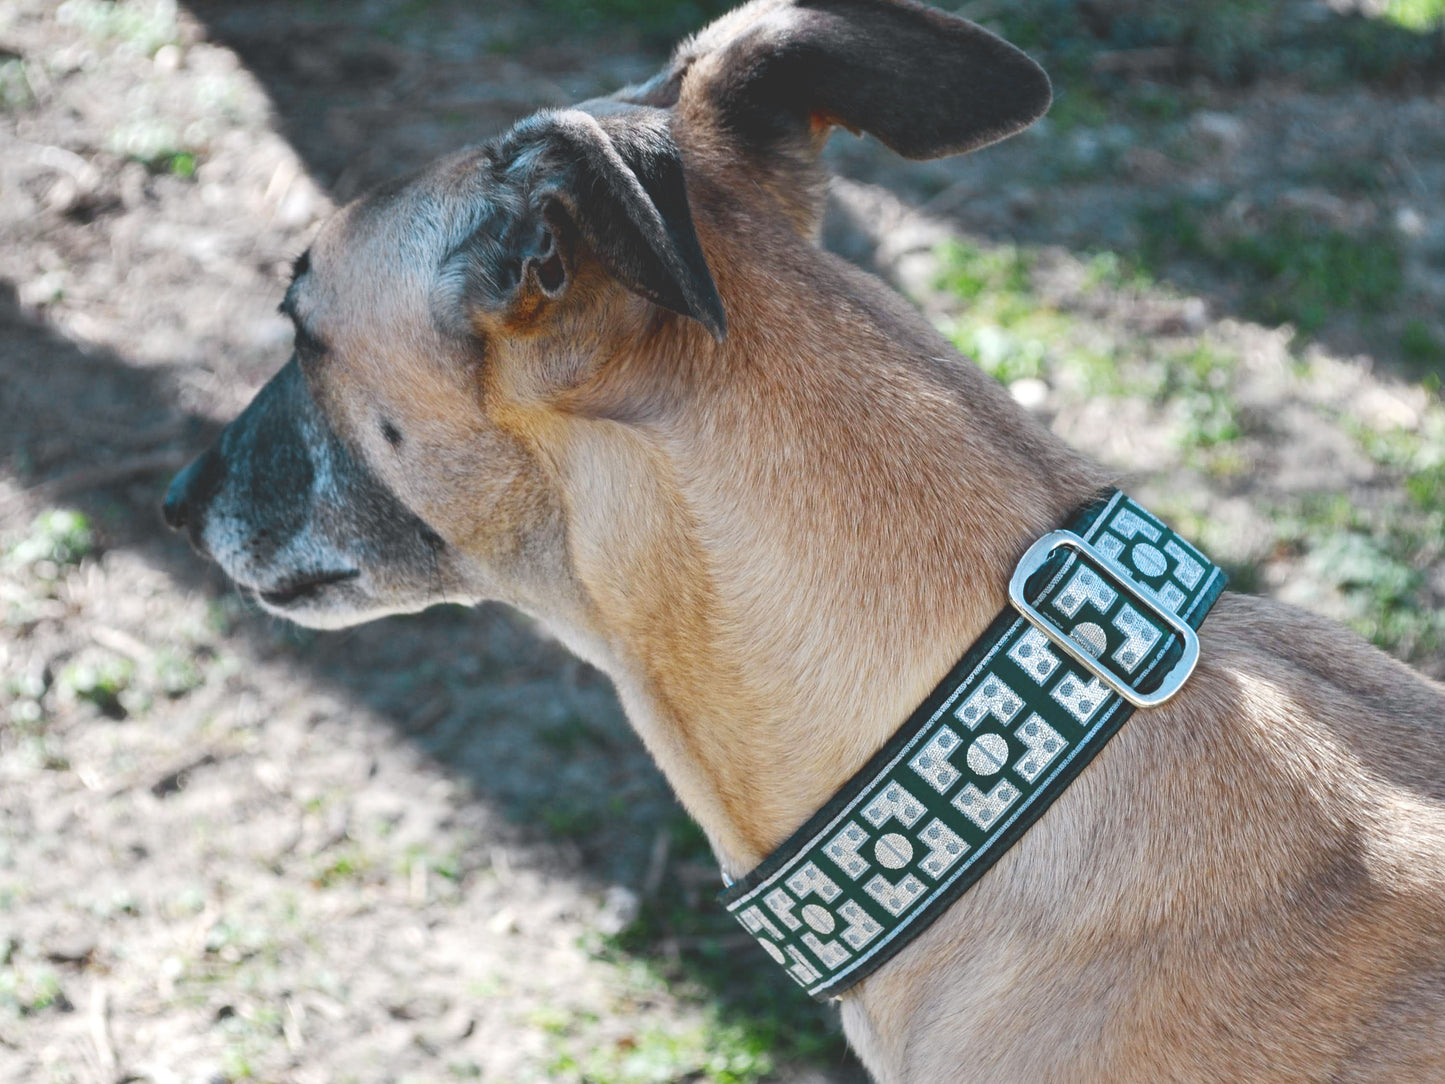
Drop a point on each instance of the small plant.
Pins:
(753, 1017)
(1419, 15)
(660, 19)
(1311, 273)
(60, 536)
(1199, 380)
(156, 145)
(15, 92)
(1420, 344)
(25, 993)
(1291, 269)
(102, 680)
(177, 673)
(141, 25)
(347, 865)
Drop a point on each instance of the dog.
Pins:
(600, 369)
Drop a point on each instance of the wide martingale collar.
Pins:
(1101, 620)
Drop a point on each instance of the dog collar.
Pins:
(1101, 620)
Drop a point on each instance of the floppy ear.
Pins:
(617, 180)
(924, 82)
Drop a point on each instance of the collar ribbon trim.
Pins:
(1101, 620)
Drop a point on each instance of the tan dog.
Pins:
(599, 368)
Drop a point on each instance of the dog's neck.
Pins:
(781, 567)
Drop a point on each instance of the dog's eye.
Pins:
(391, 433)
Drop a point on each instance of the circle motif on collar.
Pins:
(987, 755)
(1090, 637)
(819, 918)
(1148, 560)
(893, 851)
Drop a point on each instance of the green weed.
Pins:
(1232, 42)
(27, 992)
(1417, 15)
(156, 145)
(715, 1053)
(754, 1019)
(141, 26)
(102, 680)
(661, 19)
(1309, 273)
(1420, 344)
(60, 536)
(346, 865)
(1418, 456)
(569, 820)
(1001, 325)
(1198, 379)
(15, 92)
(177, 673)
(1375, 559)
(1292, 270)
(1110, 271)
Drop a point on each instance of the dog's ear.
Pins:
(924, 82)
(614, 182)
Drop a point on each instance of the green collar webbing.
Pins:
(1101, 620)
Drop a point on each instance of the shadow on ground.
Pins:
(87, 429)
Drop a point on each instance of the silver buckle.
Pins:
(1035, 558)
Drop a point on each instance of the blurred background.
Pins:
(430, 848)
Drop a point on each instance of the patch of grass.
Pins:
(1108, 270)
(569, 819)
(156, 145)
(181, 164)
(102, 680)
(1419, 344)
(1309, 274)
(1419, 15)
(1156, 102)
(1418, 455)
(1198, 380)
(1002, 324)
(1354, 176)
(571, 736)
(1077, 104)
(177, 673)
(348, 864)
(27, 992)
(446, 865)
(1293, 271)
(715, 1053)
(140, 25)
(15, 90)
(657, 19)
(1014, 332)
(1376, 558)
(60, 536)
(688, 941)
(1229, 43)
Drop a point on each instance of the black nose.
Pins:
(192, 489)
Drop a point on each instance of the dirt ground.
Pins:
(430, 848)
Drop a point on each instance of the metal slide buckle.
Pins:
(1035, 558)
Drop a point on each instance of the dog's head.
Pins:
(451, 328)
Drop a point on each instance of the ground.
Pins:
(430, 848)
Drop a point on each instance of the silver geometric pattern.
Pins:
(932, 761)
(994, 698)
(875, 865)
(1043, 742)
